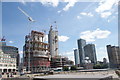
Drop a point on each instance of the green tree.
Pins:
(97, 66)
(73, 68)
(105, 66)
(65, 68)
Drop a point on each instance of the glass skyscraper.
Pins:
(81, 44)
(90, 52)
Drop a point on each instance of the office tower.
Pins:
(36, 52)
(114, 56)
(81, 44)
(76, 56)
(11, 50)
(90, 52)
(53, 42)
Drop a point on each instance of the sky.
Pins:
(96, 22)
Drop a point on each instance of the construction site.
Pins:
(36, 52)
(40, 56)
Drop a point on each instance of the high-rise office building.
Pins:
(53, 42)
(76, 56)
(90, 52)
(81, 44)
(114, 56)
(36, 52)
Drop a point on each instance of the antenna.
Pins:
(29, 18)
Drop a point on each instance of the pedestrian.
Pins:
(8, 75)
(11, 75)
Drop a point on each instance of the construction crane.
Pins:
(3, 39)
(29, 18)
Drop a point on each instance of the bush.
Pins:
(100, 66)
(97, 66)
(65, 68)
(73, 68)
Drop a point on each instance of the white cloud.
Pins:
(83, 13)
(87, 14)
(69, 54)
(91, 36)
(60, 38)
(90, 14)
(58, 11)
(108, 21)
(21, 52)
(105, 14)
(78, 17)
(23, 2)
(11, 42)
(54, 3)
(63, 38)
(105, 6)
(71, 3)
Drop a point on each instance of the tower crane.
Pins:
(29, 18)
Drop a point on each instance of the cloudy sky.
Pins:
(96, 22)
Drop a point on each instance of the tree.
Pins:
(100, 66)
(105, 66)
(65, 68)
(73, 68)
(97, 66)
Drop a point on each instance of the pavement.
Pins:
(90, 75)
(72, 75)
